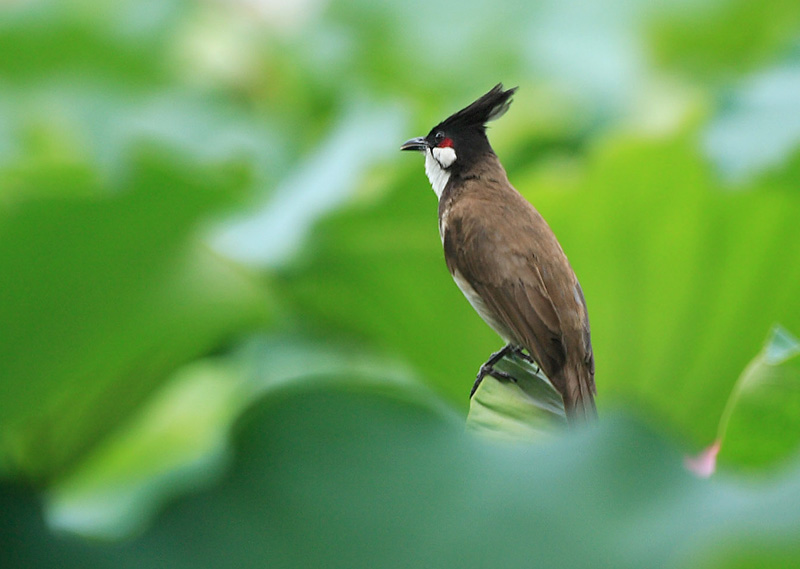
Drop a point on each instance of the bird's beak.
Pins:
(419, 144)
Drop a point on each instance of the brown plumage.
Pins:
(509, 264)
(503, 255)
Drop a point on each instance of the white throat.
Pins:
(437, 160)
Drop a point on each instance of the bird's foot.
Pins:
(519, 351)
(488, 368)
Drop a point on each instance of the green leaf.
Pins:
(178, 440)
(713, 39)
(175, 442)
(336, 478)
(108, 41)
(376, 272)
(103, 296)
(761, 422)
(526, 408)
(681, 276)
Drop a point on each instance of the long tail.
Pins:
(579, 401)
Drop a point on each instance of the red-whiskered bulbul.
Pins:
(505, 258)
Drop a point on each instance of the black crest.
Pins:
(490, 106)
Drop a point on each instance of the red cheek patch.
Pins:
(446, 143)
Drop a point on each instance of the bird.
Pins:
(505, 258)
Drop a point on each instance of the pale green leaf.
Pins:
(761, 422)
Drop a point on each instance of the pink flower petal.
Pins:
(705, 463)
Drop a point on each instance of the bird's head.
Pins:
(459, 141)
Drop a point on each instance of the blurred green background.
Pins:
(228, 336)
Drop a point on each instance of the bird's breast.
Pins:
(482, 308)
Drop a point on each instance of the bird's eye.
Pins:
(442, 141)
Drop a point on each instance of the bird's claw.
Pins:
(488, 369)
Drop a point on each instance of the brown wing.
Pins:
(510, 285)
(529, 291)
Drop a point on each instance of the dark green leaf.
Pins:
(179, 438)
(329, 478)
